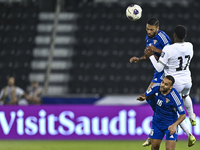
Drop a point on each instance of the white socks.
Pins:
(188, 105)
(183, 125)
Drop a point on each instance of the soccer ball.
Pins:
(134, 12)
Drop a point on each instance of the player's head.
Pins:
(11, 81)
(180, 33)
(167, 84)
(152, 27)
(35, 84)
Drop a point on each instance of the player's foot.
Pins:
(193, 122)
(147, 143)
(191, 140)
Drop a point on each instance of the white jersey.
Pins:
(19, 92)
(176, 58)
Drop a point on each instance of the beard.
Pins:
(163, 90)
(151, 36)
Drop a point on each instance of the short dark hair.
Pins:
(180, 31)
(34, 82)
(153, 22)
(169, 77)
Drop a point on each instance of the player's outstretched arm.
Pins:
(145, 56)
(172, 128)
(148, 52)
(137, 59)
(141, 98)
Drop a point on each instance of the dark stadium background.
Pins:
(93, 45)
(90, 44)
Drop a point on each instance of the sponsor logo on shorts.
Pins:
(152, 131)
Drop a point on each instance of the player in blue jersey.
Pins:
(165, 119)
(156, 40)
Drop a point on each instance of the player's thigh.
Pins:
(156, 136)
(158, 77)
(170, 145)
(179, 88)
(171, 139)
(156, 133)
(187, 88)
(155, 144)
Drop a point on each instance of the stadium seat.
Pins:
(107, 40)
(18, 26)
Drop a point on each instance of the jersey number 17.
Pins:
(181, 63)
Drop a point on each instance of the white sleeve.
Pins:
(164, 57)
(1, 94)
(157, 65)
(19, 92)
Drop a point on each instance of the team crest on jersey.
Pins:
(155, 41)
(162, 54)
(167, 100)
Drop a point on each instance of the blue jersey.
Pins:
(167, 106)
(159, 41)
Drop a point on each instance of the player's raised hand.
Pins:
(153, 48)
(172, 129)
(148, 52)
(134, 59)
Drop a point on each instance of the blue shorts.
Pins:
(158, 77)
(159, 134)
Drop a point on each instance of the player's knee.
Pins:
(170, 147)
(183, 97)
(155, 146)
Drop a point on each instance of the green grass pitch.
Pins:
(85, 145)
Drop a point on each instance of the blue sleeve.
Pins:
(163, 39)
(152, 90)
(178, 105)
(152, 103)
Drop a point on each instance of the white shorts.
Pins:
(183, 89)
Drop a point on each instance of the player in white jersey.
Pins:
(175, 60)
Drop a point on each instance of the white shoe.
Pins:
(147, 143)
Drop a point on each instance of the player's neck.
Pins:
(165, 93)
(179, 41)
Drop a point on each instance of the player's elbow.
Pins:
(184, 116)
(159, 69)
